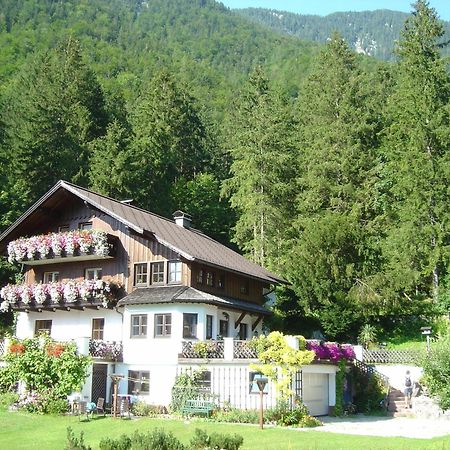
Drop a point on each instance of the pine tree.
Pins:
(169, 141)
(330, 248)
(56, 109)
(416, 162)
(260, 145)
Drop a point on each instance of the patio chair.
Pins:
(82, 410)
(100, 406)
(124, 408)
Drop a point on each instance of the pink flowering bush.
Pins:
(53, 293)
(331, 351)
(57, 244)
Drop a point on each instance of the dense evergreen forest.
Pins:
(328, 168)
(371, 33)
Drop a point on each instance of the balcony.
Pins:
(227, 349)
(106, 350)
(78, 245)
(65, 295)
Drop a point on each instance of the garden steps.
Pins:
(397, 405)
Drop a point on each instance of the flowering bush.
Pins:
(55, 244)
(331, 351)
(16, 347)
(70, 292)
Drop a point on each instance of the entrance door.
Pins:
(315, 393)
(99, 375)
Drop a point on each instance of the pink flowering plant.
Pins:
(58, 244)
(69, 291)
(331, 351)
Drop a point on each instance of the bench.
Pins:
(198, 406)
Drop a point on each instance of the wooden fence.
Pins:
(391, 356)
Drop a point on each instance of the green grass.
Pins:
(25, 431)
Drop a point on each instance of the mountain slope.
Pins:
(370, 32)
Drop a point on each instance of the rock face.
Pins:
(425, 407)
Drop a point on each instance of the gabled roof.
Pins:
(185, 294)
(189, 243)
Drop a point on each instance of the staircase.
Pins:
(396, 404)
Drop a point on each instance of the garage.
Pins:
(315, 393)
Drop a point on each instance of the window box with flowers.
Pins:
(46, 248)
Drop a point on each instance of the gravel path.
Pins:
(386, 426)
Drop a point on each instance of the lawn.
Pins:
(25, 431)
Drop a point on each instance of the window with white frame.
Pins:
(157, 272)
(175, 268)
(50, 277)
(190, 325)
(141, 274)
(138, 326)
(93, 274)
(98, 326)
(42, 326)
(210, 279)
(138, 382)
(163, 325)
(209, 327)
(204, 381)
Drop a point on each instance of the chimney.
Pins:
(182, 219)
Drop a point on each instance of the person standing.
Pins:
(408, 389)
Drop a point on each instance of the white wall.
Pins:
(397, 372)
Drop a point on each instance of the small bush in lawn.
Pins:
(74, 443)
(122, 443)
(8, 399)
(203, 441)
(295, 416)
(144, 409)
(158, 439)
(235, 415)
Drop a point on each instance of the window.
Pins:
(174, 271)
(51, 277)
(244, 287)
(209, 279)
(63, 228)
(98, 326)
(138, 382)
(85, 226)
(204, 382)
(93, 274)
(221, 281)
(243, 331)
(139, 325)
(189, 326)
(200, 276)
(42, 326)
(209, 326)
(140, 274)
(223, 328)
(163, 325)
(157, 272)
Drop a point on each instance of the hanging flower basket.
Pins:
(56, 245)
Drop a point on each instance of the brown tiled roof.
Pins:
(185, 294)
(189, 243)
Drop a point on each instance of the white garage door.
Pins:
(315, 393)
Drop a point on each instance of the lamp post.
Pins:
(115, 378)
(426, 331)
(261, 382)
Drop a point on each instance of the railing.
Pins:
(111, 351)
(242, 350)
(2, 348)
(202, 349)
(390, 356)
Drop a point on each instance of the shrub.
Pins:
(186, 387)
(369, 391)
(123, 443)
(295, 416)
(7, 399)
(203, 441)
(310, 422)
(140, 408)
(235, 415)
(43, 403)
(74, 443)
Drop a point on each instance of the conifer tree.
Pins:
(260, 145)
(417, 162)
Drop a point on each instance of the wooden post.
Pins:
(116, 383)
(261, 409)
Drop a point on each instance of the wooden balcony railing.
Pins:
(110, 351)
(242, 350)
(202, 349)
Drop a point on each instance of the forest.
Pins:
(329, 168)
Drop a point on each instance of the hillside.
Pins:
(208, 46)
(371, 33)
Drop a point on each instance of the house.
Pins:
(137, 292)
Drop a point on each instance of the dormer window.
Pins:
(157, 272)
(210, 279)
(174, 272)
(141, 274)
(200, 276)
